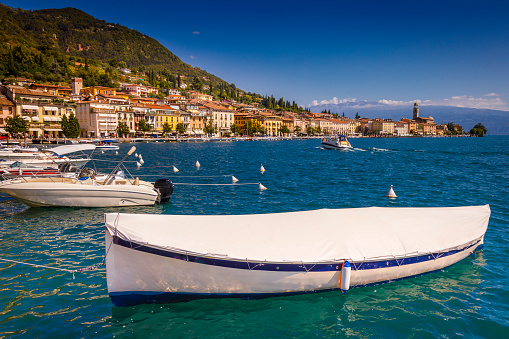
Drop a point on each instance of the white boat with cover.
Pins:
(158, 258)
(336, 142)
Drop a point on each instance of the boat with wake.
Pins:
(336, 142)
(162, 258)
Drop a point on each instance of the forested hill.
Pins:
(75, 33)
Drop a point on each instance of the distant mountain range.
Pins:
(497, 122)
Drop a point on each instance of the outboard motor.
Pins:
(165, 188)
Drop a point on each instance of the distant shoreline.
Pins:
(62, 141)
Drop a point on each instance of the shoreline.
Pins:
(63, 141)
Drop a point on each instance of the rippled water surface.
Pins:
(469, 299)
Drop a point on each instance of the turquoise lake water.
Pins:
(469, 299)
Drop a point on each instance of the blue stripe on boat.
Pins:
(130, 298)
(283, 267)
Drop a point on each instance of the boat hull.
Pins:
(138, 273)
(75, 195)
(334, 146)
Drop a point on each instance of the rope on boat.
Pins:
(89, 268)
(236, 184)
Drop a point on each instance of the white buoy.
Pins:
(234, 180)
(141, 161)
(261, 187)
(262, 169)
(136, 155)
(175, 169)
(116, 152)
(197, 164)
(102, 152)
(138, 164)
(345, 276)
(391, 194)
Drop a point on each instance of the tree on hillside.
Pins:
(197, 84)
(357, 116)
(297, 129)
(479, 130)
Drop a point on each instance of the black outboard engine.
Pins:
(165, 188)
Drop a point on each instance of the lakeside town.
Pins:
(137, 110)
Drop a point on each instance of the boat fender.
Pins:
(165, 189)
(344, 280)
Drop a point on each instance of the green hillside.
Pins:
(76, 34)
(55, 45)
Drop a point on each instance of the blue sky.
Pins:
(392, 52)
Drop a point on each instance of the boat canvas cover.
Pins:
(358, 234)
(66, 149)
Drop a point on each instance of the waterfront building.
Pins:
(7, 110)
(271, 123)
(242, 121)
(401, 128)
(354, 127)
(97, 118)
(340, 126)
(427, 128)
(222, 117)
(325, 125)
(442, 129)
(383, 126)
(42, 110)
(288, 122)
(158, 115)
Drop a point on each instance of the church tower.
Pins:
(416, 111)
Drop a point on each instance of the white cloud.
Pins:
(192, 56)
(196, 32)
(333, 101)
(492, 102)
(488, 101)
(397, 103)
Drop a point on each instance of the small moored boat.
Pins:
(87, 190)
(108, 145)
(158, 258)
(336, 142)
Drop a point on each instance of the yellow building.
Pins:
(383, 126)
(271, 123)
(162, 114)
(243, 120)
(95, 90)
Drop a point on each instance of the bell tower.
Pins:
(416, 111)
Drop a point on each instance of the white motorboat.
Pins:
(157, 258)
(87, 190)
(108, 145)
(336, 142)
(19, 168)
(50, 157)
